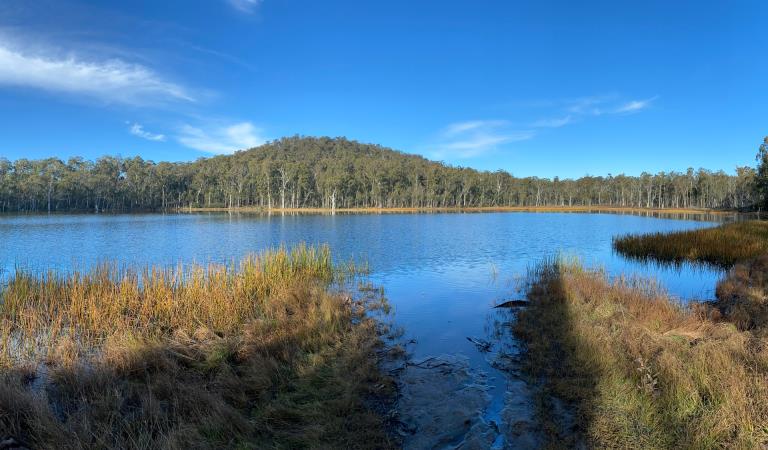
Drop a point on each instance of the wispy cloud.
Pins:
(588, 106)
(556, 122)
(635, 106)
(583, 108)
(225, 57)
(221, 139)
(110, 80)
(598, 106)
(473, 125)
(245, 6)
(474, 138)
(138, 130)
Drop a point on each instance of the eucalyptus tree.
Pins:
(761, 178)
(337, 172)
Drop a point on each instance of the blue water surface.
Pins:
(441, 272)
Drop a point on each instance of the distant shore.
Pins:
(589, 209)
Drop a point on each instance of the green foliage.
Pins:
(308, 172)
(761, 178)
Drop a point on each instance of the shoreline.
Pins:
(145, 356)
(632, 363)
(475, 209)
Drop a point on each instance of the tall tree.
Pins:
(761, 179)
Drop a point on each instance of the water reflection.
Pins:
(442, 273)
(436, 265)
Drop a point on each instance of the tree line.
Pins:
(321, 172)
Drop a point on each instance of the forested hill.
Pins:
(299, 172)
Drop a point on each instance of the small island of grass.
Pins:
(722, 246)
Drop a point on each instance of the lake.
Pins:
(441, 272)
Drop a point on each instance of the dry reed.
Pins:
(263, 354)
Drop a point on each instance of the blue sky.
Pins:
(539, 88)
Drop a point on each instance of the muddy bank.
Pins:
(446, 403)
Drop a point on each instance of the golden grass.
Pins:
(723, 246)
(742, 296)
(263, 355)
(639, 370)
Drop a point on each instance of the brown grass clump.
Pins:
(639, 370)
(722, 246)
(742, 296)
(264, 355)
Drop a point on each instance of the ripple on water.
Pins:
(441, 273)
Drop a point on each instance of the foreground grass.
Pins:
(639, 370)
(722, 246)
(264, 355)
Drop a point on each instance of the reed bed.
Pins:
(638, 370)
(269, 353)
(722, 246)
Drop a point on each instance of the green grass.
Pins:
(638, 370)
(266, 354)
(723, 246)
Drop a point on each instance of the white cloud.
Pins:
(245, 6)
(110, 80)
(598, 106)
(222, 139)
(553, 123)
(138, 130)
(476, 137)
(461, 127)
(587, 106)
(634, 106)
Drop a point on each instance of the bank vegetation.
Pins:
(636, 369)
(270, 353)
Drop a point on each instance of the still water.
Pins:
(441, 272)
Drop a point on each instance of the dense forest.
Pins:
(298, 172)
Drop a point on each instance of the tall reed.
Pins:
(264, 353)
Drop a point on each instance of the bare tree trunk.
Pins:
(283, 186)
(50, 190)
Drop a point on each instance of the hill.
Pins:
(322, 172)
